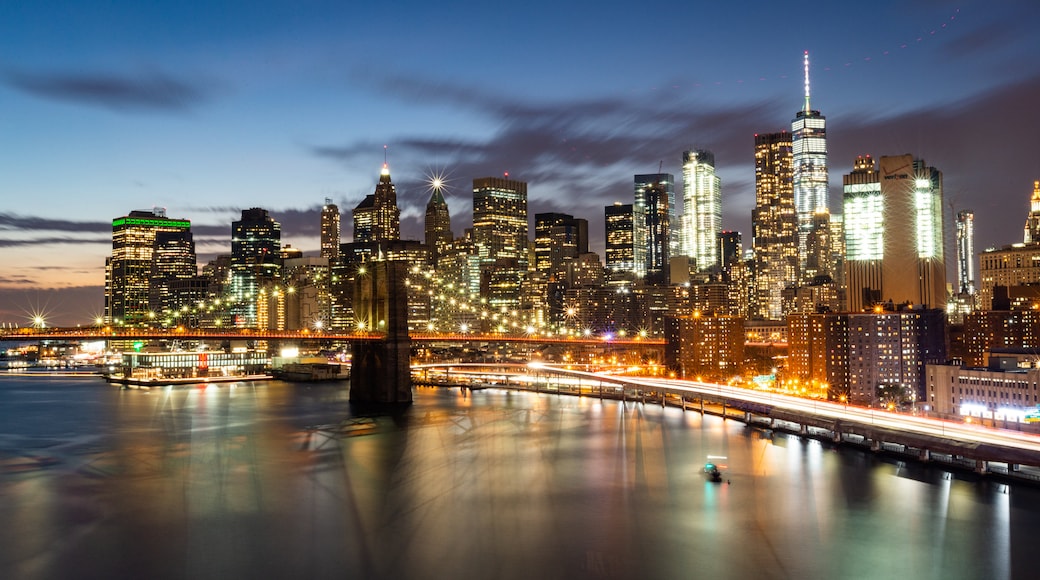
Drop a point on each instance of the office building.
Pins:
(386, 222)
(864, 214)
(652, 219)
(137, 241)
(1032, 228)
(558, 239)
(620, 244)
(437, 227)
(966, 252)
(330, 230)
(702, 209)
(809, 181)
(774, 224)
(500, 219)
(255, 250)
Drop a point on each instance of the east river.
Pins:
(276, 480)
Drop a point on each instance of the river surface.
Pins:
(276, 480)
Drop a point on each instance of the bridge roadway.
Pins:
(25, 334)
(922, 437)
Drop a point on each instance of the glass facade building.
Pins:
(500, 219)
(702, 209)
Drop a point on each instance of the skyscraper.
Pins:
(774, 224)
(558, 238)
(894, 234)
(864, 214)
(255, 247)
(966, 251)
(620, 247)
(809, 177)
(500, 218)
(702, 209)
(652, 226)
(437, 227)
(386, 223)
(131, 270)
(330, 231)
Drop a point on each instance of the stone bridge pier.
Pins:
(380, 371)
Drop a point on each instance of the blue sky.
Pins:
(111, 106)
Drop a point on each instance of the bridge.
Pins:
(133, 334)
(958, 444)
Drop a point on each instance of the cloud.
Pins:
(9, 243)
(10, 221)
(149, 91)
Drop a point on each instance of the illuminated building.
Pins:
(255, 249)
(1003, 390)
(702, 209)
(558, 239)
(305, 282)
(894, 233)
(364, 217)
(386, 222)
(330, 230)
(774, 225)
(175, 283)
(437, 227)
(1032, 229)
(913, 268)
(620, 245)
(986, 330)
(138, 239)
(729, 252)
(652, 218)
(809, 180)
(706, 346)
(585, 270)
(864, 215)
(500, 219)
(966, 251)
(870, 358)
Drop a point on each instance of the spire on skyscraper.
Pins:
(806, 66)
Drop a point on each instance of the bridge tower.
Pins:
(380, 371)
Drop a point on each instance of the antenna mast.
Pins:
(805, 63)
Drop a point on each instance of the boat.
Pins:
(711, 468)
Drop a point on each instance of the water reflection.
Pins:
(286, 481)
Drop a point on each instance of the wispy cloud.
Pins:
(147, 91)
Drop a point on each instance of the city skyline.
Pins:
(208, 114)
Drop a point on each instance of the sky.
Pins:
(205, 110)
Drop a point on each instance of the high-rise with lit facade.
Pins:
(558, 239)
(1032, 229)
(620, 245)
(256, 243)
(386, 222)
(500, 219)
(652, 221)
(131, 270)
(913, 269)
(966, 251)
(437, 227)
(774, 225)
(702, 209)
(809, 177)
(864, 213)
(330, 230)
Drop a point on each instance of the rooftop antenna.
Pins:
(805, 63)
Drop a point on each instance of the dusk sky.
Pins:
(206, 110)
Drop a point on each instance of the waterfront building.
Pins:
(652, 219)
(702, 209)
(437, 226)
(809, 184)
(330, 230)
(1002, 391)
(255, 251)
(704, 346)
(500, 219)
(501, 285)
(774, 224)
(308, 299)
(138, 240)
(986, 330)
(620, 242)
(870, 358)
(174, 282)
(559, 239)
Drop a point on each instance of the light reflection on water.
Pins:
(272, 480)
